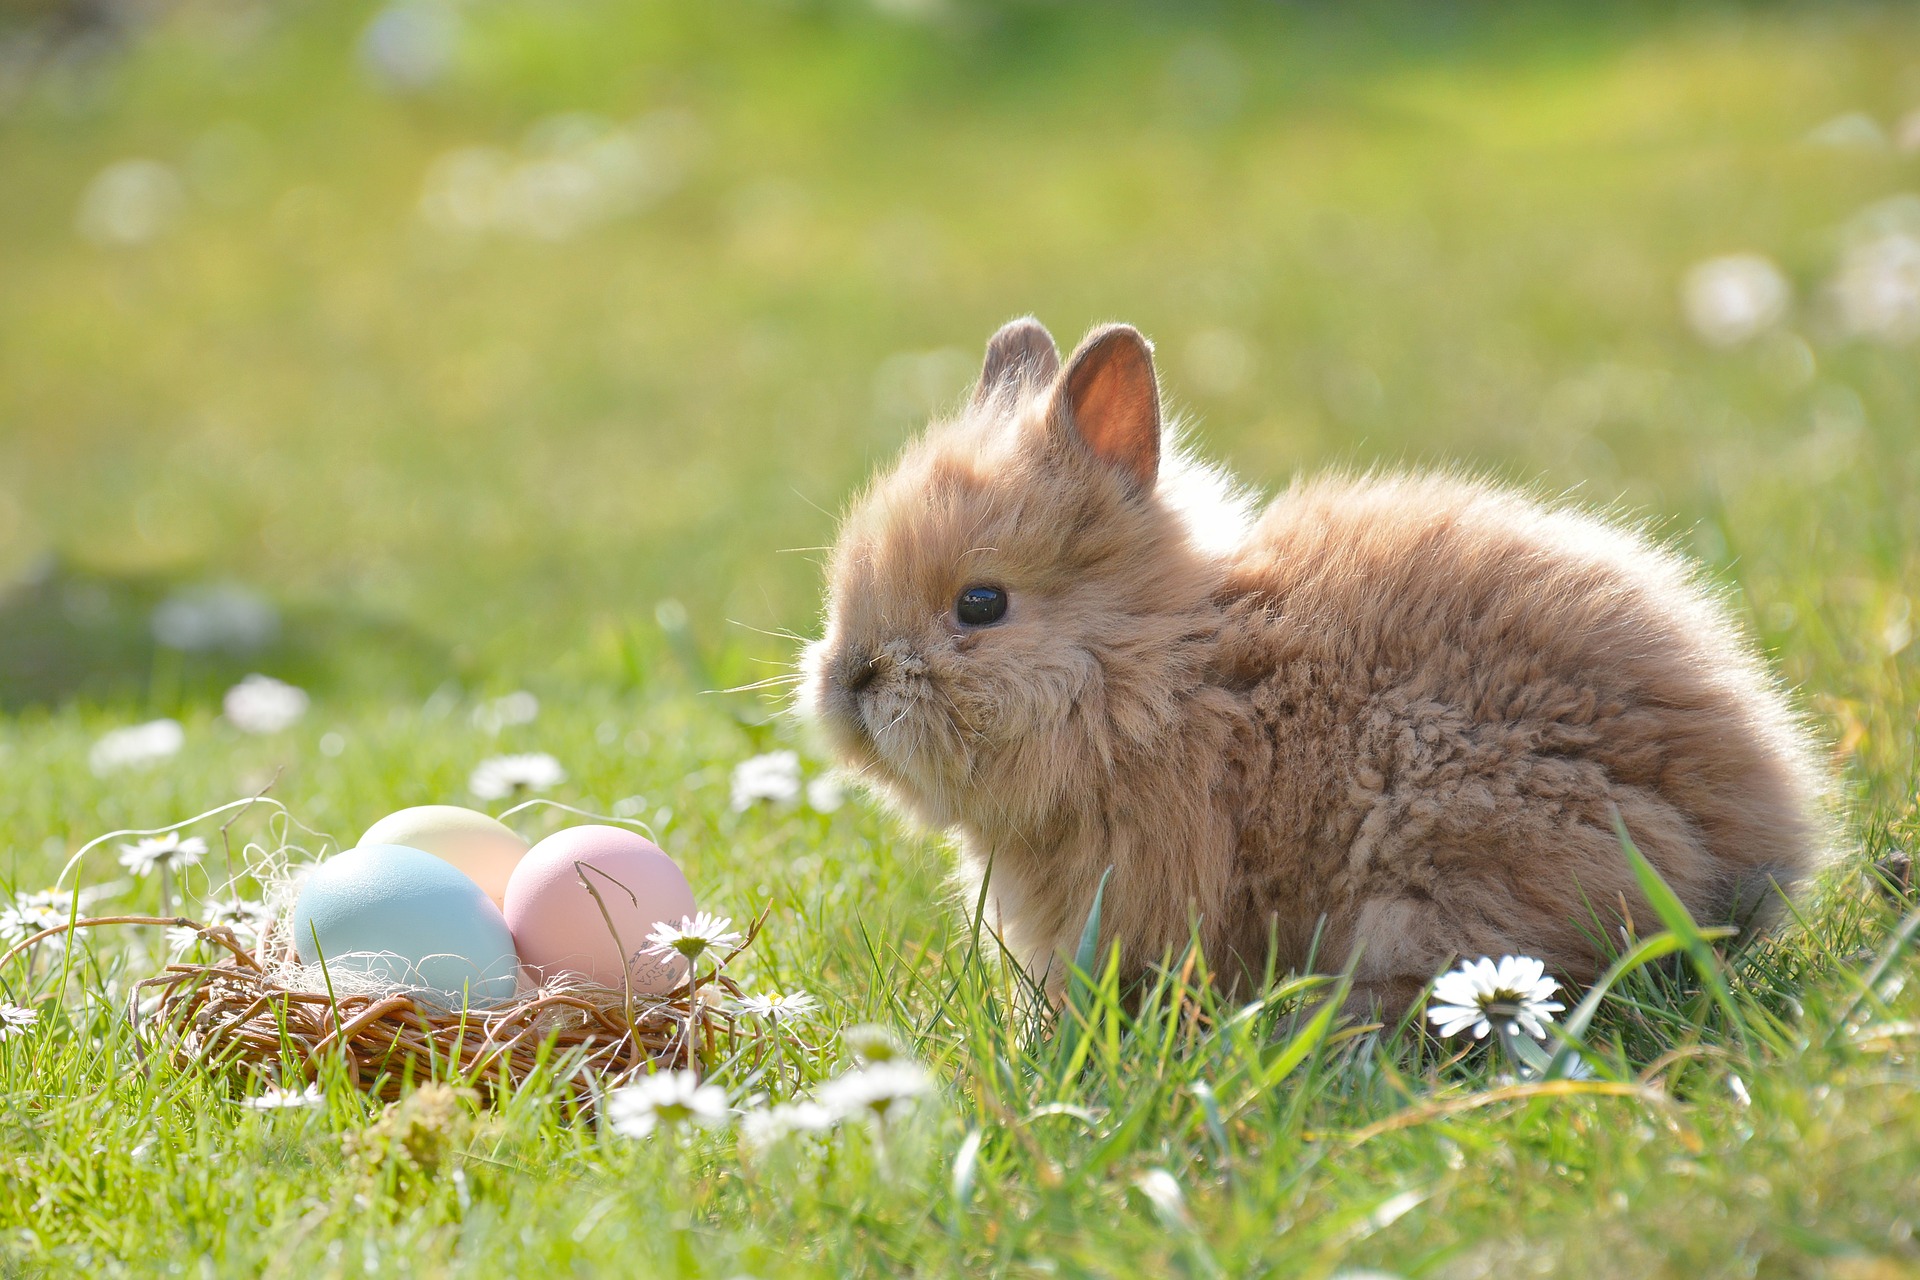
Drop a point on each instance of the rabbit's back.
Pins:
(1449, 691)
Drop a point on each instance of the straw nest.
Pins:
(250, 1015)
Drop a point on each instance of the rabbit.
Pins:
(1387, 722)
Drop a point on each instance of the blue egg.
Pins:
(409, 918)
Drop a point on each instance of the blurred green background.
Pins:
(461, 335)
(493, 369)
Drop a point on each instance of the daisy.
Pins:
(248, 920)
(1576, 1068)
(275, 1098)
(131, 202)
(1162, 1191)
(15, 1019)
(1732, 299)
(670, 1098)
(503, 776)
(693, 937)
(875, 1092)
(825, 794)
(137, 746)
(215, 616)
(776, 1007)
(871, 1043)
(29, 913)
(773, 777)
(162, 853)
(1877, 290)
(761, 1129)
(1511, 995)
(261, 704)
(516, 708)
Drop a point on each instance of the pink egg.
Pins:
(559, 927)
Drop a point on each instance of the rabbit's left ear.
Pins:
(1109, 398)
(1020, 355)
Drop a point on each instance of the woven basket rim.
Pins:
(237, 1016)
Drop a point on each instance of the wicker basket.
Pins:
(237, 1017)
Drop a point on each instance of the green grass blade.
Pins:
(1076, 1019)
(1574, 1026)
(1674, 914)
(1869, 982)
(1303, 1042)
(1086, 953)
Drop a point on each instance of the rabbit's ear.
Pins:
(1109, 398)
(1021, 354)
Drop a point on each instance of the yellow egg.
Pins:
(486, 849)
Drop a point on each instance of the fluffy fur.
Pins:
(1394, 714)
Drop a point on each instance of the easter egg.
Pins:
(562, 928)
(486, 849)
(409, 919)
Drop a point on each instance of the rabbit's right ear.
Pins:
(1021, 354)
(1110, 399)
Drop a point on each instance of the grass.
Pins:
(460, 465)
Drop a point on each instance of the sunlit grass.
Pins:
(598, 467)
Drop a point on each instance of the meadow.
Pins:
(428, 356)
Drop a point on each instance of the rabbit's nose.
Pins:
(859, 673)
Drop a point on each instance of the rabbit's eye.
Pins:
(980, 606)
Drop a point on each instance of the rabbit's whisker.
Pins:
(893, 722)
(810, 502)
(769, 683)
(777, 635)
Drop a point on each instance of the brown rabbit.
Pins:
(1395, 712)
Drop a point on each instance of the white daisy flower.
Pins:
(776, 1007)
(869, 1042)
(1162, 1191)
(877, 1091)
(1512, 995)
(180, 940)
(761, 1129)
(215, 616)
(29, 913)
(1577, 1068)
(18, 926)
(1877, 289)
(409, 46)
(247, 919)
(503, 776)
(519, 707)
(670, 1098)
(825, 794)
(261, 704)
(773, 777)
(15, 1020)
(1733, 299)
(131, 202)
(136, 746)
(162, 853)
(275, 1098)
(693, 937)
